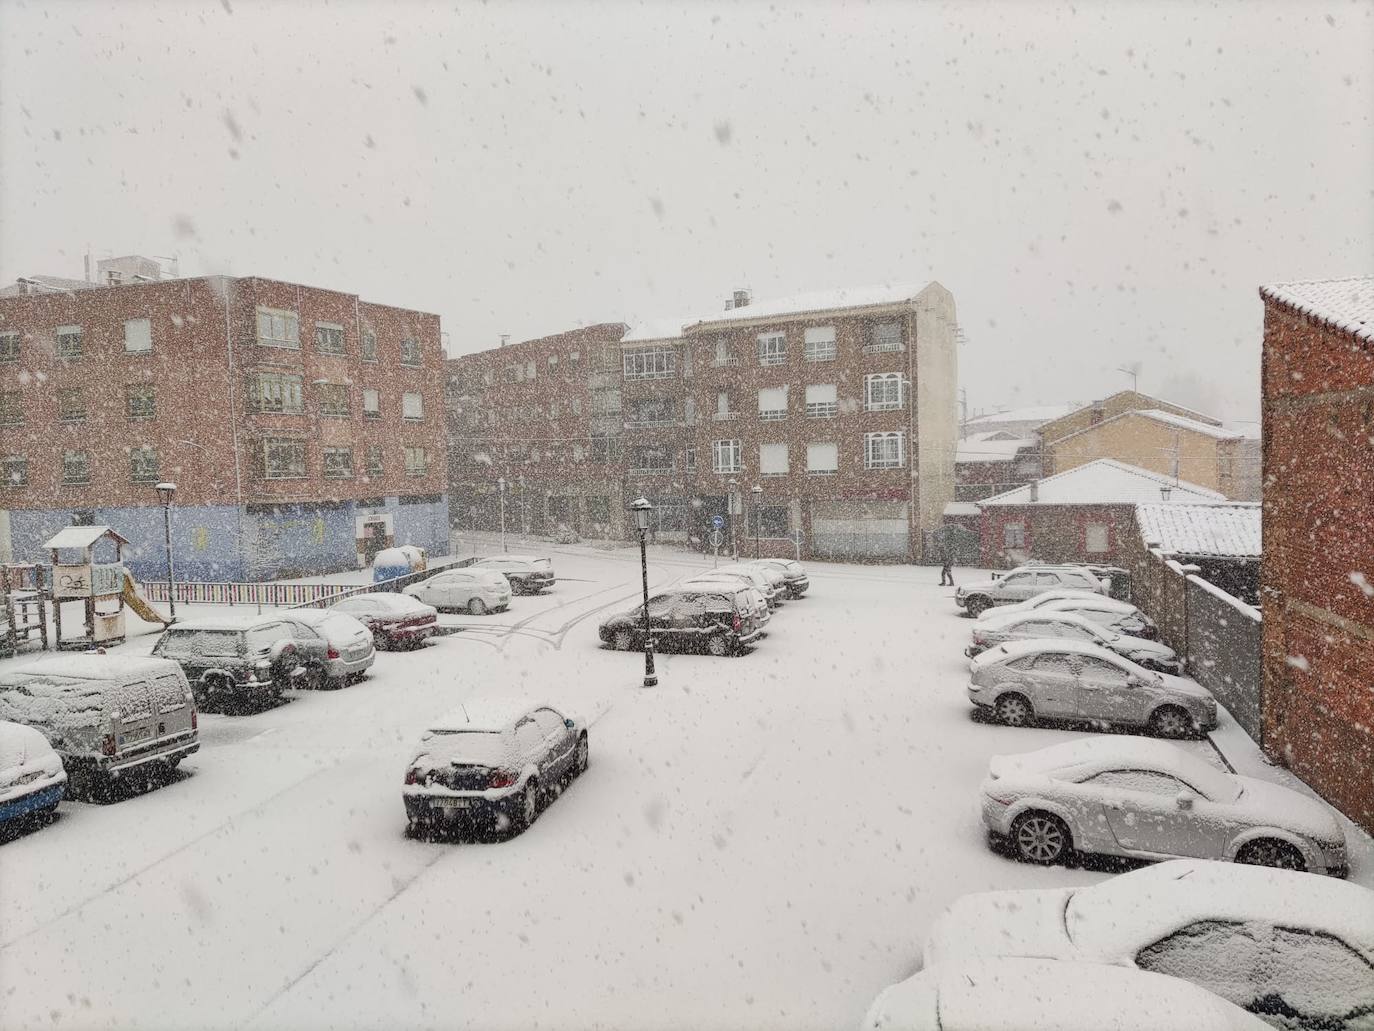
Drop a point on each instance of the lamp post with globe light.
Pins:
(643, 511)
(757, 491)
(501, 484)
(166, 491)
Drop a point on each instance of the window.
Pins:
(333, 399)
(652, 411)
(283, 459)
(652, 458)
(374, 461)
(1146, 781)
(71, 405)
(723, 409)
(656, 363)
(76, 467)
(822, 458)
(605, 449)
(1054, 662)
(412, 406)
(329, 337)
(773, 459)
(140, 401)
(278, 328)
(1014, 535)
(143, 465)
(138, 336)
(410, 351)
(883, 392)
(772, 348)
(773, 521)
(417, 462)
(606, 402)
(1097, 538)
(338, 463)
(820, 344)
(821, 401)
(773, 403)
(1100, 671)
(576, 404)
(884, 338)
(275, 392)
(11, 408)
(369, 348)
(599, 508)
(725, 456)
(723, 356)
(69, 341)
(9, 347)
(689, 459)
(884, 450)
(372, 404)
(14, 471)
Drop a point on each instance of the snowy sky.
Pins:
(1097, 183)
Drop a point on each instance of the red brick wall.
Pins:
(1318, 453)
(1056, 533)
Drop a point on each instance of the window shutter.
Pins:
(822, 393)
(773, 399)
(773, 459)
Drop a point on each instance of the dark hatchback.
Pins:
(719, 621)
(254, 658)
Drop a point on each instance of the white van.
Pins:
(105, 715)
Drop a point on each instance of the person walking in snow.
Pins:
(947, 572)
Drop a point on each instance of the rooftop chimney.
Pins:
(1034, 490)
(739, 299)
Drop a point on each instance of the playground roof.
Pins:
(82, 537)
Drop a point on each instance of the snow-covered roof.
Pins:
(1104, 481)
(1205, 531)
(1034, 413)
(658, 329)
(819, 301)
(1347, 304)
(93, 667)
(1167, 418)
(46, 284)
(491, 714)
(962, 508)
(228, 621)
(82, 536)
(993, 446)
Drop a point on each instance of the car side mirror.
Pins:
(1185, 799)
(281, 650)
(569, 724)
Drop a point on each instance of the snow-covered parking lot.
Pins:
(760, 841)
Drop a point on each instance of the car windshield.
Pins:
(177, 644)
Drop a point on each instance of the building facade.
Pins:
(303, 427)
(1317, 581)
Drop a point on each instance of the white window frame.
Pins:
(412, 352)
(883, 340)
(818, 470)
(66, 333)
(764, 464)
(820, 344)
(412, 406)
(726, 456)
(877, 450)
(334, 453)
(276, 393)
(136, 414)
(69, 462)
(377, 467)
(372, 403)
(9, 346)
(138, 336)
(417, 461)
(367, 351)
(822, 409)
(772, 348)
(1014, 535)
(1105, 538)
(278, 327)
(884, 392)
(650, 363)
(772, 413)
(143, 456)
(329, 330)
(343, 411)
(290, 470)
(77, 413)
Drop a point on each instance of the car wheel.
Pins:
(718, 644)
(1170, 721)
(1040, 838)
(477, 607)
(314, 678)
(528, 807)
(621, 641)
(977, 605)
(582, 757)
(1014, 710)
(1270, 852)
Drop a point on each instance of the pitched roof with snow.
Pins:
(1346, 304)
(82, 536)
(657, 329)
(1035, 413)
(1205, 531)
(990, 447)
(819, 301)
(1168, 418)
(1102, 482)
(46, 284)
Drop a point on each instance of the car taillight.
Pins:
(412, 776)
(107, 745)
(979, 637)
(501, 779)
(195, 719)
(736, 623)
(333, 652)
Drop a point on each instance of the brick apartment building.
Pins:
(838, 406)
(302, 426)
(1317, 580)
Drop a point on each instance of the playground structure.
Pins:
(23, 608)
(103, 587)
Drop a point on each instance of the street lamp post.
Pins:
(731, 505)
(501, 483)
(643, 511)
(166, 491)
(757, 491)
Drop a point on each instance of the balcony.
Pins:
(884, 347)
(823, 355)
(725, 363)
(652, 470)
(724, 416)
(822, 409)
(652, 424)
(884, 406)
(773, 415)
(772, 359)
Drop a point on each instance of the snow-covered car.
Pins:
(1054, 624)
(1022, 583)
(1130, 796)
(248, 656)
(396, 620)
(1295, 950)
(1021, 994)
(793, 573)
(32, 780)
(718, 618)
(492, 760)
(473, 590)
(763, 613)
(740, 574)
(350, 652)
(1021, 682)
(528, 574)
(1121, 616)
(107, 716)
(776, 580)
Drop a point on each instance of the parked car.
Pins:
(742, 575)
(32, 780)
(1129, 796)
(1121, 616)
(476, 591)
(729, 584)
(1295, 950)
(1024, 681)
(772, 574)
(493, 760)
(349, 651)
(528, 574)
(107, 716)
(794, 575)
(1018, 993)
(251, 657)
(1049, 623)
(396, 620)
(1020, 584)
(716, 618)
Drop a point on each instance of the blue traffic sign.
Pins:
(718, 522)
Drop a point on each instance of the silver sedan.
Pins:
(1022, 681)
(1042, 623)
(1129, 796)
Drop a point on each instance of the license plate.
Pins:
(138, 734)
(451, 803)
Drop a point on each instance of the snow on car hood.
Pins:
(1266, 803)
(27, 762)
(1183, 685)
(1002, 923)
(1138, 646)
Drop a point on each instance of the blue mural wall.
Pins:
(221, 543)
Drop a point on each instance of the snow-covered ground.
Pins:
(759, 842)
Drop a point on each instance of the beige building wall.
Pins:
(936, 408)
(1117, 404)
(1146, 443)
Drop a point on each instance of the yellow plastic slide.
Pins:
(141, 606)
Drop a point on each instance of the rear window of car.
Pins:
(484, 748)
(187, 643)
(339, 626)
